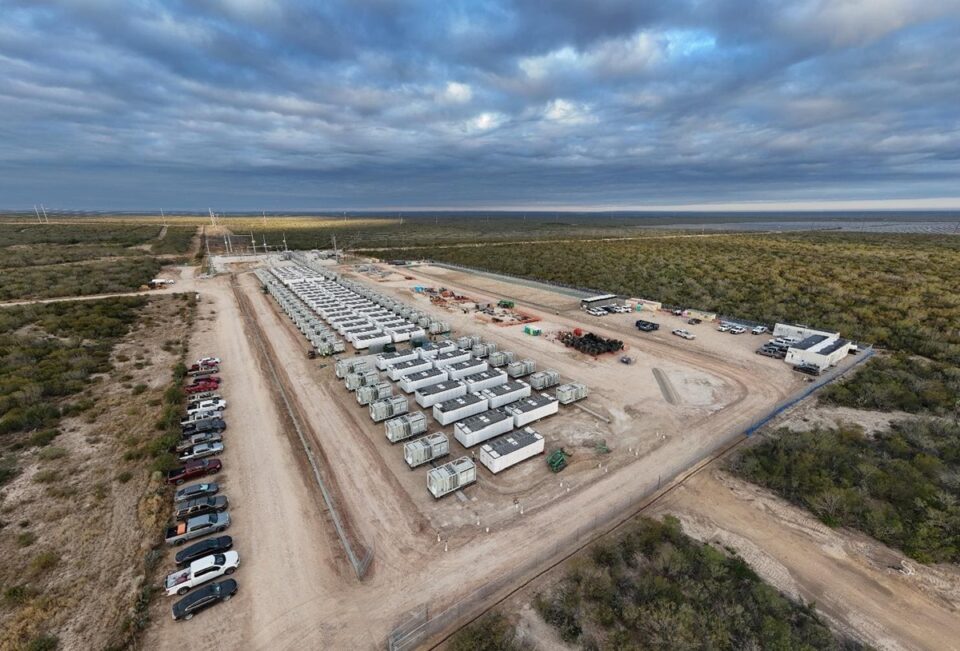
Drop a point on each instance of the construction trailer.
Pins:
(450, 411)
(819, 351)
(426, 449)
(451, 476)
(406, 426)
(414, 381)
(532, 408)
(439, 392)
(504, 394)
(484, 380)
(482, 427)
(510, 449)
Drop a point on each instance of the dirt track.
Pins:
(296, 589)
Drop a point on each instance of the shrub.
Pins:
(138, 389)
(44, 561)
(47, 476)
(45, 437)
(43, 643)
(124, 476)
(53, 452)
(26, 538)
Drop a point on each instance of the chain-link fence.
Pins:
(422, 624)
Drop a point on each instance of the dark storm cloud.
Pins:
(369, 103)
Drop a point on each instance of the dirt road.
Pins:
(846, 574)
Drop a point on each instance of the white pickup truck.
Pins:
(201, 571)
(214, 404)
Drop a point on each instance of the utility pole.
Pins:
(285, 249)
(264, 213)
(253, 242)
(163, 216)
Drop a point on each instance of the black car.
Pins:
(204, 597)
(203, 548)
(205, 425)
(194, 491)
(809, 369)
(647, 326)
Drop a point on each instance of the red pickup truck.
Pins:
(200, 387)
(194, 469)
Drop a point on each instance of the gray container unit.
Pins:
(354, 381)
(346, 366)
(521, 368)
(430, 447)
(451, 476)
(402, 369)
(465, 343)
(482, 427)
(438, 327)
(450, 411)
(468, 367)
(414, 381)
(483, 350)
(433, 348)
(371, 392)
(405, 426)
(510, 449)
(386, 359)
(544, 379)
(452, 357)
(484, 380)
(504, 394)
(501, 358)
(568, 393)
(440, 392)
(537, 406)
(381, 410)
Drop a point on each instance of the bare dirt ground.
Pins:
(849, 576)
(296, 588)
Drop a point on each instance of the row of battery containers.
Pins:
(498, 455)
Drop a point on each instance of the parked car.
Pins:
(198, 416)
(768, 352)
(193, 491)
(201, 525)
(210, 379)
(594, 311)
(202, 598)
(686, 334)
(724, 327)
(759, 330)
(677, 312)
(199, 367)
(214, 404)
(203, 548)
(737, 330)
(200, 506)
(213, 424)
(200, 387)
(809, 369)
(694, 321)
(200, 571)
(204, 372)
(203, 395)
(196, 439)
(201, 451)
(192, 469)
(647, 326)
(207, 361)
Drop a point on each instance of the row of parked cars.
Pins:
(200, 509)
(609, 309)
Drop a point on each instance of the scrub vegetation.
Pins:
(901, 486)
(655, 588)
(77, 278)
(895, 291)
(900, 382)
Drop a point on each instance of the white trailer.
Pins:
(482, 427)
(451, 476)
(433, 348)
(504, 394)
(451, 357)
(397, 371)
(510, 449)
(484, 380)
(439, 392)
(406, 333)
(426, 449)
(368, 340)
(405, 426)
(414, 381)
(535, 407)
(465, 368)
(450, 411)
(386, 359)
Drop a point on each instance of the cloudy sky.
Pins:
(290, 104)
